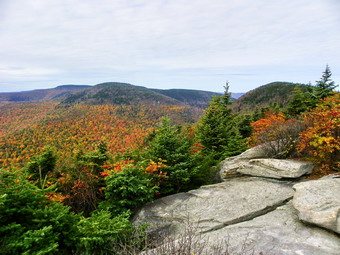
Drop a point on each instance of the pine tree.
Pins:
(325, 86)
(218, 131)
(244, 122)
(300, 102)
(170, 145)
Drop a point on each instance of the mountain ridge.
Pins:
(72, 94)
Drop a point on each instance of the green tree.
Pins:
(103, 234)
(300, 102)
(172, 146)
(31, 224)
(128, 190)
(218, 131)
(93, 160)
(305, 100)
(244, 122)
(41, 166)
(325, 86)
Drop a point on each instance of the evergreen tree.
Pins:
(218, 131)
(325, 86)
(244, 122)
(41, 166)
(300, 102)
(170, 145)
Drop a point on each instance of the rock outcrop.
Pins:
(276, 168)
(250, 215)
(214, 206)
(230, 166)
(253, 162)
(318, 202)
(278, 232)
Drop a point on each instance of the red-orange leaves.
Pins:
(321, 139)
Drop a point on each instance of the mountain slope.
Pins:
(275, 92)
(116, 93)
(40, 94)
(196, 98)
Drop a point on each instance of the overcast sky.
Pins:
(197, 44)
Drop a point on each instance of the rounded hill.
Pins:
(272, 93)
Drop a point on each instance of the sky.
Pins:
(197, 44)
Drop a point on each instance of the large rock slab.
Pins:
(276, 233)
(214, 206)
(276, 168)
(279, 232)
(318, 202)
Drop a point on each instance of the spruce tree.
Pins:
(218, 131)
(300, 102)
(325, 86)
(170, 145)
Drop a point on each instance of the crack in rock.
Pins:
(250, 216)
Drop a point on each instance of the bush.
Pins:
(128, 189)
(103, 234)
(321, 139)
(277, 135)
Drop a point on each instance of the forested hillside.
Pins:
(275, 94)
(197, 98)
(117, 94)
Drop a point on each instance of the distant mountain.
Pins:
(116, 93)
(40, 94)
(275, 92)
(196, 98)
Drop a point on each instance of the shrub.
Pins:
(321, 139)
(128, 189)
(277, 135)
(103, 234)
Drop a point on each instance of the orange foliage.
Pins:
(27, 128)
(268, 124)
(321, 139)
(154, 167)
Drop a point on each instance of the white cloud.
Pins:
(143, 40)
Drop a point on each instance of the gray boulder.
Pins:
(276, 168)
(253, 162)
(229, 167)
(318, 202)
(215, 206)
